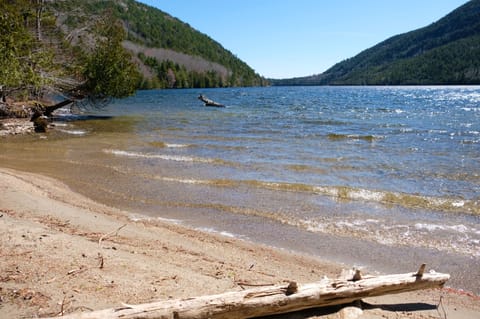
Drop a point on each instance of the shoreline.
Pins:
(62, 253)
(15, 126)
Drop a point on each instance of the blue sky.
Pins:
(289, 38)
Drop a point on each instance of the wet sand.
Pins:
(62, 253)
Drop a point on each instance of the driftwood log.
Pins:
(262, 301)
(48, 110)
(209, 102)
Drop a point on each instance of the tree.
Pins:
(23, 61)
(109, 70)
(28, 69)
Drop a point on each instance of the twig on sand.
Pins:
(101, 262)
(115, 232)
(440, 304)
(62, 306)
(77, 271)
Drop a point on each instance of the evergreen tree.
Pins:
(109, 71)
(24, 62)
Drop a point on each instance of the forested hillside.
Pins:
(445, 52)
(90, 51)
(170, 53)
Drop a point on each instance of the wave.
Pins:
(73, 132)
(175, 145)
(175, 158)
(345, 193)
(456, 238)
(159, 144)
(452, 238)
(367, 138)
(435, 234)
(222, 233)
(141, 218)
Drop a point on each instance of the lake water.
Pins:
(384, 178)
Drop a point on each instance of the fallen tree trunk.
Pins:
(274, 299)
(209, 102)
(48, 110)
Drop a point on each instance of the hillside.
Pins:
(168, 51)
(445, 52)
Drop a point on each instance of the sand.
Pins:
(61, 253)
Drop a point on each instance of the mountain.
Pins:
(445, 52)
(168, 51)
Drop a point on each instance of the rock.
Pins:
(350, 313)
(40, 124)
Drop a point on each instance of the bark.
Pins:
(38, 18)
(48, 110)
(272, 300)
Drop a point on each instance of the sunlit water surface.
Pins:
(379, 177)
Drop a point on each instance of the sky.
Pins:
(292, 38)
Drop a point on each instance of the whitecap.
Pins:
(175, 145)
(366, 195)
(159, 156)
(455, 228)
(429, 227)
(74, 132)
(140, 218)
(183, 181)
(60, 124)
(214, 231)
(169, 220)
(313, 227)
(459, 228)
(458, 204)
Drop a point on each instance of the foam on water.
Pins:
(222, 233)
(455, 228)
(175, 145)
(175, 158)
(183, 181)
(449, 238)
(139, 218)
(337, 192)
(73, 132)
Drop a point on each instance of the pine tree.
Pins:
(109, 71)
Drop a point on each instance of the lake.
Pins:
(384, 178)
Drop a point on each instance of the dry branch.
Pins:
(115, 232)
(278, 299)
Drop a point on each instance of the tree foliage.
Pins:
(31, 66)
(109, 71)
(171, 75)
(153, 28)
(24, 62)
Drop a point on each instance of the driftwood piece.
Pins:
(271, 300)
(48, 110)
(209, 102)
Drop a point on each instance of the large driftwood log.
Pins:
(209, 102)
(48, 110)
(274, 299)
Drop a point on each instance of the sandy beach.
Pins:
(63, 253)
